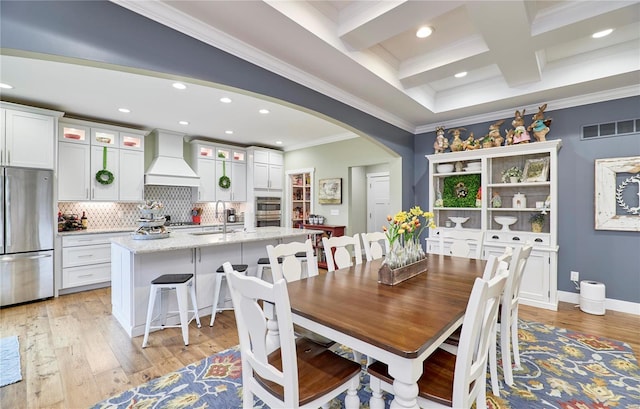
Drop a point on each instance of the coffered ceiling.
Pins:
(516, 53)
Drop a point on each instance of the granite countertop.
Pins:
(131, 229)
(183, 240)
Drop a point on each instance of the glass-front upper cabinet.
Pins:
(73, 133)
(104, 137)
(132, 141)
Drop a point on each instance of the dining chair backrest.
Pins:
(461, 242)
(491, 267)
(247, 293)
(477, 329)
(516, 272)
(373, 245)
(337, 253)
(294, 374)
(285, 264)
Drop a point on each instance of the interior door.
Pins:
(378, 201)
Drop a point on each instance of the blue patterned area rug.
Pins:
(9, 361)
(560, 369)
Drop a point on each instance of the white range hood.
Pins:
(168, 167)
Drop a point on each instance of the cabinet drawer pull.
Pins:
(516, 239)
(495, 237)
(538, 240)
(84, 275)
(85, 255)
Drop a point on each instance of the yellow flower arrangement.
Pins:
(403, 234)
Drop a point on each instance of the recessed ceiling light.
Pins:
(424, 32)
(229, 132)
(183, 122)
(124, 110)
(461, 74)
(5, 86)
(602, 33)
(179, 85)
(264, 111)
(226, 100)
(278, 142)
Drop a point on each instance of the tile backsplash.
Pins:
(177, 201)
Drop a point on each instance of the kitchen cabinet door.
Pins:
(260, 176)
(73, 171)
(131, 180)
(29, 140)
(239, 182)
(223, 167)
(98, 190)
(206, 169)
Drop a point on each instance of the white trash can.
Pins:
(592, 295)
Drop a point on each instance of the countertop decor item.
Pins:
(405, 253)
(519, 201)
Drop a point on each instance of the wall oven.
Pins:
(268, 211)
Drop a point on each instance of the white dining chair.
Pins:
(338, 254)
(461, 241)
(300, 373)
(376, 245)
(286, 263)
(509, 312)
(448, 380)
(453, 341)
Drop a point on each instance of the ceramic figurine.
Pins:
(540, 126)
(496, 200)
(458, 165)
(441, 143)
(470, 144)
(456, 144)
(494, 133)
(438, 202)
(509, 140)
(520, 135)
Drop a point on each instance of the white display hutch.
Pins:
(539, 286)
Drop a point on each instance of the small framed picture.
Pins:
(536, 170)
(330, 191)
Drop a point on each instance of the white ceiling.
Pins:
(518, 54)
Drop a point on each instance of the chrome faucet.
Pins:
(224, 215)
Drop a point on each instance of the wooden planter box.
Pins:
(392, 277)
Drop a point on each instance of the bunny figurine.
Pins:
(456, 144)
(540, 126)
(494, 133)
(520, 134)
(441, 143)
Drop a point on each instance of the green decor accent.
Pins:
(224, 181)
(460, 190)
(104, 177)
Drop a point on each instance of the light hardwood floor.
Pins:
(75, 354)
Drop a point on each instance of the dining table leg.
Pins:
(405, 395)
(273, 334)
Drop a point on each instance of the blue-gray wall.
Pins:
(610, 257)
(104, 32)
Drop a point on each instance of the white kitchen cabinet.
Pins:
(202, 161)
(74, 167)
(80, 154)
(86, 259)
(131, 171)
(98, 190)
(268, 170)
(28, 137)
(539, 287)
(237, 173)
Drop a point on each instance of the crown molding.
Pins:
(579, 100)
(172, 18)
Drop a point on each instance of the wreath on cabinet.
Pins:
(104, 177)
(224, 181)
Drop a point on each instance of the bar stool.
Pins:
(241, 268)
(263, 263)
(178, 282)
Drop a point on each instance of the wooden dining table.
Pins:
(400, 325)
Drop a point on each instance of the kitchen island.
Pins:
(135, 263)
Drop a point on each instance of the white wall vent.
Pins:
(610, 129)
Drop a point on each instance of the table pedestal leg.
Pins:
(405, 395)
(273, 334)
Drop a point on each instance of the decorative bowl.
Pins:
(444, 168)
(474, 165)
(505, 221)
(458, 221)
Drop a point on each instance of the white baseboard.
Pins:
(609, 303)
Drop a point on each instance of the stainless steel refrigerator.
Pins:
(26, 244)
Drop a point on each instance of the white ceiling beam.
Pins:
(382, 20)
(505, 27)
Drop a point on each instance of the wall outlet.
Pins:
(575, 276)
